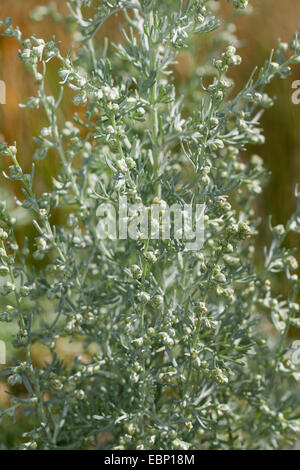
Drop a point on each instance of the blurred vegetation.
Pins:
(258, 34)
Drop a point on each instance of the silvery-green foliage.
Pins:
(182, 359)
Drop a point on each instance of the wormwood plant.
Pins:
(176, 354)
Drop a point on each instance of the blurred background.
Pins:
(258, 33)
